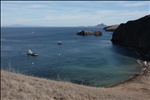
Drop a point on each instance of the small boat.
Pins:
(59, 42)
(30, 52)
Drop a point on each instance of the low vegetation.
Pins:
(21, 87)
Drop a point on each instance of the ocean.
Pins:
(87, 60)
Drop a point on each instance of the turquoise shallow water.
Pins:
(88, 60)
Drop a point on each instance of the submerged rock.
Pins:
(135, 34)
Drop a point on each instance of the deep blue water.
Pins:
(88, 60)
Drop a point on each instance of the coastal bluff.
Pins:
(135, 34)
(111, 28)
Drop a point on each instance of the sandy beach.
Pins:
(22, 87)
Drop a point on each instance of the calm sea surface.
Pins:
(87, 60)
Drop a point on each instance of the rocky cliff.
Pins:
(135, 34)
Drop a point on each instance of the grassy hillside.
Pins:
(21, 87)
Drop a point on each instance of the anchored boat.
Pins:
(30, 52)
(59, 42)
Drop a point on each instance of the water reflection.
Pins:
(122, 50)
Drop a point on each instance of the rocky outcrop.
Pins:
(135, 34)
(111, 28)
(82, 32)
(97, 33)
(85, 33)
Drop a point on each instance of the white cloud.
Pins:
(101, 16)
(149, 7)
(23, 20)
(132, 3)
(72, 12)
(126, 15)
(133, 13)
(80, 15)
(65, 17)
(36, 6)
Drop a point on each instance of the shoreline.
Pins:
(132, 77)
(124, 81)
(145, 66)
(17, 86)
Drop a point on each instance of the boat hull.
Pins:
(33, 54)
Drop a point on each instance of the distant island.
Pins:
(102, 25)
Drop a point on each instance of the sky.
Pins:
(71, 13)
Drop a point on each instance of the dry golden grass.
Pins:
(21, 87)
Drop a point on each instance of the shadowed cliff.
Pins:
(135, 34)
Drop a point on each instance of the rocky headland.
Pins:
(135, 34)
(110, 28)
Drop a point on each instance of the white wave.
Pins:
(142, 63)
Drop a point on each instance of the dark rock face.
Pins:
(97, 33)
(135, 34)
(82, 32)
(111, 28)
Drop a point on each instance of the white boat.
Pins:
(59, 42)
(30, 52)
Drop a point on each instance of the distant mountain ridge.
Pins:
(102, 25)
